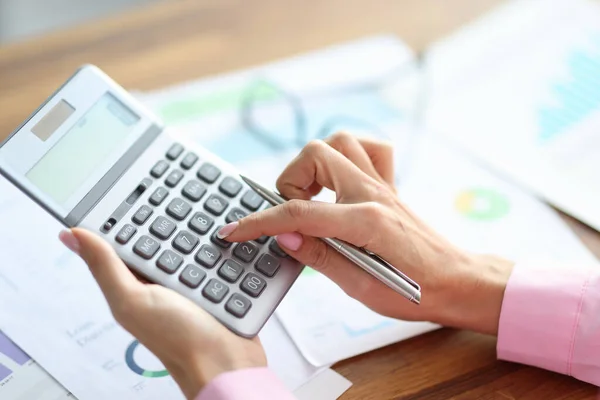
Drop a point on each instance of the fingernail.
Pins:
(291, 241)
(69, 240)
(227, 230)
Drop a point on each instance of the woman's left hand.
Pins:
(192, 345)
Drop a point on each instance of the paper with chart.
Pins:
(520, 89)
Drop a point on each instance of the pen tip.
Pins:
(417, 298)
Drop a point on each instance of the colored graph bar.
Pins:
(4, 372)
(11, 350)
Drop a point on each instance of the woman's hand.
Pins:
(458, 289)
(192, 345)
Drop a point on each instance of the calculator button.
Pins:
(268, 265)
(162, 228)
(175, 151)
(219, 242)
(179, 209)
(253, 284)
(201, 223)
(146, 247)
(230, 187)
(189, 160)
(238, 305)
(193, 190)
(142, 215)
(209, 173)
(235, 214)
(245, 251)
(215, 291)
(174, 178)
(262, 240)
(159, 169)
(230, 271)
(158, 196)
(125, 234)
(192, 276)
(169, 261)
(216, 204)
(208, 256)
(251, 200)
(274, 247)
(185, 242)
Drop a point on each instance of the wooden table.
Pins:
(180, 40)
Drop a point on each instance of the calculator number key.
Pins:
(201, 223)
(215, 291)
(174, 178)
(189, 160)
(219, 242)
(238, 305)
(253, 284)
(162, 228)
(146, 247)
(230, 187)
(193, 190)
(235, 214)
(231, 271)
(274, 247)
(245, 251)
(267, 265)
(215, 204)
(159, 169)
(209, 173)
(208, 256)
(169, 261)
(126, 233)
(251, 200)
(192, 276)
(179, 209)
(158, 196)
(185, 242)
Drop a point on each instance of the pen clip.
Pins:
(393, 269)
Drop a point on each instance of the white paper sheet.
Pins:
(520, 90)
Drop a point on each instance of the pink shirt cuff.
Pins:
(246, 384)
(550, 319)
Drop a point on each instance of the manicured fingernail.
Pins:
(227, 230)
(291, 241)
(69, 240)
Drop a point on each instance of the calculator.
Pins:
(94, 157)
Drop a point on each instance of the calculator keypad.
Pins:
(181, 239)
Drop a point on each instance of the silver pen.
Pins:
(368, 261)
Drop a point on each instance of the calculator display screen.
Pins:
(83, 149)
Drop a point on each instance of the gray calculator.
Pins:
(94, 157)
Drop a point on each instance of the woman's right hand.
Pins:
(459, 289)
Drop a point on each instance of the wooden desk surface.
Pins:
(180, 40)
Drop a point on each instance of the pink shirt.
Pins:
(549, 319)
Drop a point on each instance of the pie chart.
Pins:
(482, 204)
(135, 367)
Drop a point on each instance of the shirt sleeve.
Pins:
(246, 384)
(551, 319)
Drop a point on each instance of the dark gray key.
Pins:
(215, 290)
(235, 214)
(253, 284)
(230, 271)
(179, 209)
(230, 187)
(274, 247)
(192, 276)
(189, 160)
(169, 261)
(162, 228)
(185, 242)
(142, 215)
(174, 178)
(201, 223)
(193, 190)
(216, 204)
(208, 256)
(262, 240)
(245, 251)
(238, 305)
(209, 173)
(159, 195)
(126, 233)
(159, 169)
(175, 151)
(268, 265)
(146, 247)
(251, 200)
(219, 242)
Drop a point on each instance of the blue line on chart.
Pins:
(353, 333)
